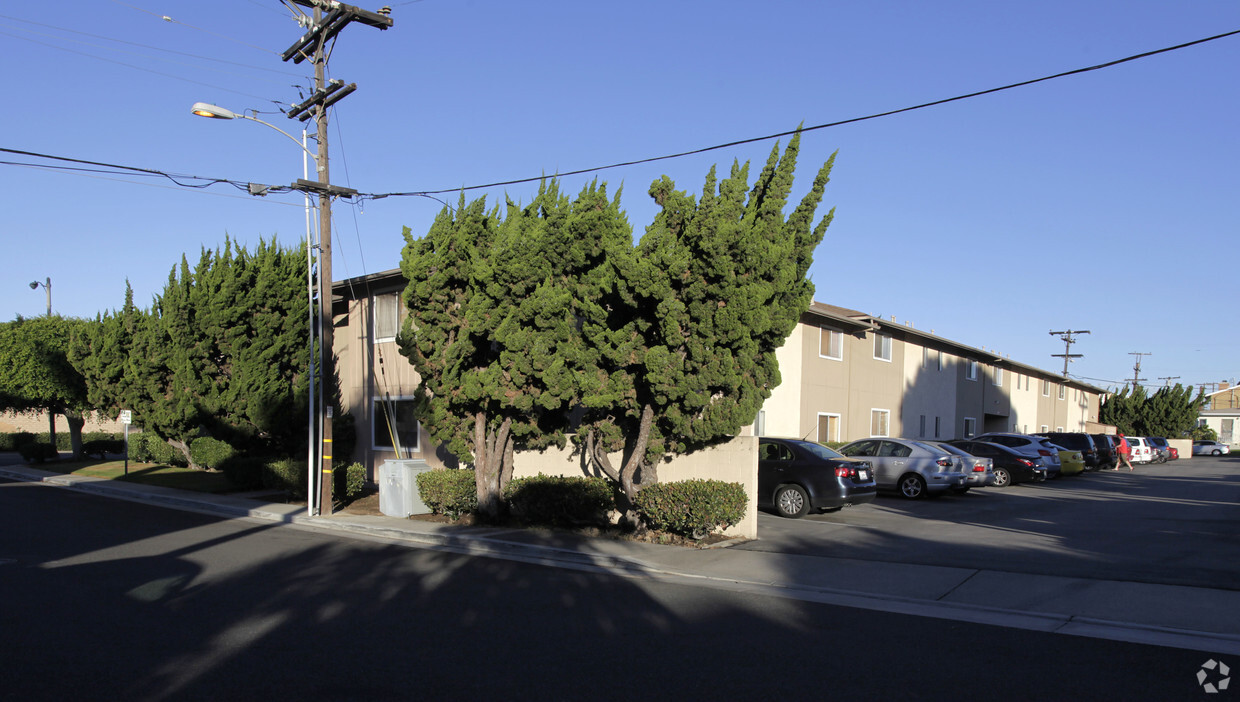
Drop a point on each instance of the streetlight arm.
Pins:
(203, 109)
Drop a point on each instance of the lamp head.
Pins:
(203, 109)
(34, 285)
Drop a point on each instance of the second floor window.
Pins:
(882, 347)
(386, 317)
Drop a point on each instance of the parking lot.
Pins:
(1177, 523)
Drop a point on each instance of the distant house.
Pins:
(1221, 412)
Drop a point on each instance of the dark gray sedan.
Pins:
(795, 477)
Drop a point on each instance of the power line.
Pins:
(167, 18)
(207, 182)
(827, 125)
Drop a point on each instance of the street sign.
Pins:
(126, 416)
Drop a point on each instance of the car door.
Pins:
(868, 449)
(774, 459)
(891, 461)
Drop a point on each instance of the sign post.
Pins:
(126, 419)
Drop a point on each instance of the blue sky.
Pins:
(1104, 201)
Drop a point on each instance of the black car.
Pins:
(1107, 455)
(1076, 441)
(1010, 467)
(795, 477)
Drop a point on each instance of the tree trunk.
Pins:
(492, 465)
(51, 426)
(76, 421)
(634, 475)
(183, 447)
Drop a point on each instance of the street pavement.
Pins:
(1181, 616)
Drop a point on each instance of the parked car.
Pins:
(1141, 450)
(1210, 448)
(1107, 455)
(1175, 452)
(913, 468)
(1161, 448)
(1071, 462)
(978, 471)
(795, 477)
(1076, 441)
(1029, 446)
(1010, 466)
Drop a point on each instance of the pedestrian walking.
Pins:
(1123, 450)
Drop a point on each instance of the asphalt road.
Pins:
(105, 599)
(1173, 524)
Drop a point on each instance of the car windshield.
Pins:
(818, 450)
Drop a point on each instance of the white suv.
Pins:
(1142, 450)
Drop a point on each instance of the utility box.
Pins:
(398, 487)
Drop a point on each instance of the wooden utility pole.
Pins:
(1136, 368)
(1068, 341)
(313, 45)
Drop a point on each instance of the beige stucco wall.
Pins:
(1183, 446)
(929, 390)
(782, 410)
(735, 462)
(36, 423)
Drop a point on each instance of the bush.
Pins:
(450, 492)
(561, 500)
(14, 441)
(207, 452)
(244, 472)
(102, 447)
(288, 474)
(38, 452)
(147, 447)
(692, 508)
(348, 481)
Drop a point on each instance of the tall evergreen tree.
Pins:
(710, 293)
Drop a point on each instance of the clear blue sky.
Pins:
(1104, 201)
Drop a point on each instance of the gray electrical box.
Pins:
(398, 487)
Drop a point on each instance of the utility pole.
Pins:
(313, 45)
(1068, 341)
(1168, 380)
(1136, 368)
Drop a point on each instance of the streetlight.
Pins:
(47, 285)
(203, 109)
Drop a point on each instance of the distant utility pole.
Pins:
(1068, 341)
(1136, 368)
(1168, 380)
(313, 46)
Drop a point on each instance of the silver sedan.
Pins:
(913, 468)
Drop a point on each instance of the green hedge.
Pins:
(450, 492)
(102, 447)
(38, 452)
(564, 501)
(64, 441)
(147, 447)
(14, 441)
(288, 474)
(207, 452)
(691, 508)
(348, 481)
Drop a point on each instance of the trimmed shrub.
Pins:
(102, 447)
(563, 501)
(207, 452)
(691, 508)
(285, 474)
(14, 441)
(244, 472)
(38, 452)
(450, 492)
(147, 447)
(348, 481)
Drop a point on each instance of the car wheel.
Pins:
(913, 486)
(1216, 452)
(1002, 478)
(791, 501)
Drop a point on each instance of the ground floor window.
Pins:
(880, 422)
(970, 427)
(828, 427)
(394, 426)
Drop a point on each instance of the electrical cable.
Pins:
(827, 125)
(148, 46)
(148, 171)
(166, 18)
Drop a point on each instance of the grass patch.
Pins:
(146, 474)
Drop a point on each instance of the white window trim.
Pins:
(970, 434)
(375, 419)
(374, 318)
(1044, 429)
(1063, 392)
(884, 412)
(970, 370)
(888, 345)
(828, 331)
(1046, 388)
(838, 420)
(938, 430)
(998, 377)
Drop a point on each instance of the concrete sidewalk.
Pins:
(1164, 615)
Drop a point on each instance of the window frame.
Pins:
(818, 425)
(885, 415)
(969, 434)
(374, 317)
(970, 370)
(833, 337)
(883, 341)
(375, 424)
